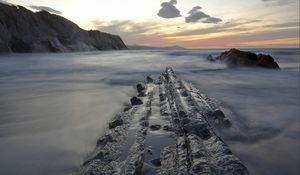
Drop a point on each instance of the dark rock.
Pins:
(167, 128)
(218, 114)
(142, 94)
(136, 101)
(127, 108)
(145, 123)
(198, 128)
(235, 57)
(210, 58)
(140, 87)
(22, 30)
(155, 127)
(115, 123)
(149, 79)
(104, 140)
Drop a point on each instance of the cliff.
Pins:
(22, 30)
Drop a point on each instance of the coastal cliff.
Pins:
(23, 31)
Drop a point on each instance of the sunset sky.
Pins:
(187, 23)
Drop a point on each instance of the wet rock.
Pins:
(210, 58)
(127, 108)
(218, 114)
(115, 123)
(140, 87)
(198, 128)
(155, 127)
(167, 128)
(144, 123)
(235, 57)
(142, 94)
(104, 140)
(136, 101)
(149, 79)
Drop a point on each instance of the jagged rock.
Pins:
(210, 58)
(149, 79)
(235, 57)
(115, 123)
(22, 30)
(155, 127)
(140, 87)
(104, 140)
(136, 101)
(187, 144)
(127, 108)
(198, 128)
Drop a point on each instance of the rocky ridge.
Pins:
(170, 131)
(23, 31)
(235, 58)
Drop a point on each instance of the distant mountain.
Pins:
(140, 47)
(22, 30)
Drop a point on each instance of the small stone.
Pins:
(136, 101)
(218, 114)
(127, 108)
(210, 58)
(155, 127)
(140, 87)
(149, 79)
(167, 128)
(115, 123)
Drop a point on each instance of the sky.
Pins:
(186, 23)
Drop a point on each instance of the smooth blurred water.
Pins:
(53, 107)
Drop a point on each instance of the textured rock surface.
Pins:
(22, 30)
(187, 144)
(235, 57)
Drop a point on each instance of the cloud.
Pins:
(49, 9)
(196, 15)
(280, 2)
(168, 10)
(5, 2)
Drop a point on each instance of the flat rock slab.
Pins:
(170, 130)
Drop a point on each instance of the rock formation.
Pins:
(171, 132)
(235, 57)
(22, 30)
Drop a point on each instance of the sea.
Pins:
(54, 106)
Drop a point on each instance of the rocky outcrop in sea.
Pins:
(23, 31)
(235, 57)
(169, 130)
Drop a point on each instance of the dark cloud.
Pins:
(48, 9)
(168, 10)
(196, 15)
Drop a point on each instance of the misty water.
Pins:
(53, 107)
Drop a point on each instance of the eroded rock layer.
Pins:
(170, 131)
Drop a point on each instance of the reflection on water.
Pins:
(53, 107)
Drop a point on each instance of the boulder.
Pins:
(235, 57)
(115, 123)
(149, 79)
(136, 101)
(210, 58)
(140, 87)
(155, 127)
